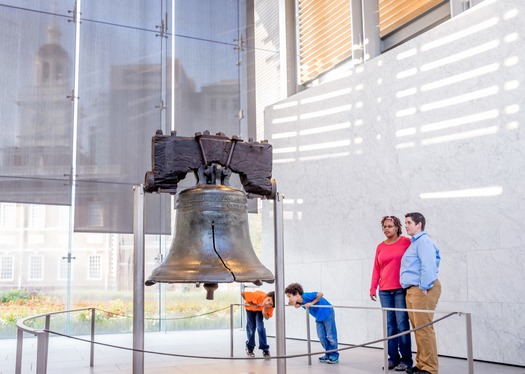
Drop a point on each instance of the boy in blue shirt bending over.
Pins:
(324, 318)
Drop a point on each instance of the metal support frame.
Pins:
(384, 313)
(280, 335)
(308, 336)
(470, 350)
(138, 279)
(366, 15)
(92, 348)
(138, 283)
(288, 48)
(231, 330)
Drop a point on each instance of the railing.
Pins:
(43, 337)
(468, 331)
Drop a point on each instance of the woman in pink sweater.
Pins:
(385, 274)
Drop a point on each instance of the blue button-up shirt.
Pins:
(420, 263)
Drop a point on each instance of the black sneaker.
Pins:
(266, 354)
(249, 353)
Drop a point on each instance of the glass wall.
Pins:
(85, 85)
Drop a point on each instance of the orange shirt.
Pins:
(256, 297)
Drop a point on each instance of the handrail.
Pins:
(43, 336)
(468, 325)
(21, 322)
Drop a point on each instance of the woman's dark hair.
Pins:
(396, 221)
(417, 218)
(294, 289)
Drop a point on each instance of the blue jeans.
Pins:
(255, 321)
(327, 333)
(399, 349)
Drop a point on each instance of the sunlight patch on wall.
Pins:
(471, 96)
(406, 112)
(324, 156)
(284, 160)
(460, 77)
(466, 54)
(461, 135)
(405, 145)
(512, 109)
(471, 192)
(406, 132)
(408, 92)
(282, 135)
(325, 112)
(406, 54)
(464, 33)
(328, 145)
(477, 117)
(284, 150)
(284, 119)
(407, 73)
(324, 129)
(285, 105)
(326, 96)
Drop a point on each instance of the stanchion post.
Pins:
(41, 353)
(138, 280)
(19, 350)
(279, 283)
(92, 348)
(308, 337)
(231, 330)
(385, 342)
(46, 340)
(470, 351)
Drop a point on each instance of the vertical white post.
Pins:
(308, 336)
(470, 354)
(41, 353)
(385, 342)
(138, 279)
(92, 348)
(279, 283)
(19, 350)
(231, 330)
(287, 48)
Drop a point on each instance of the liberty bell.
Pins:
(211, 241)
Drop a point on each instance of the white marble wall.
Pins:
(441, 113)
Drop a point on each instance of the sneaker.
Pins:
(323, 359)
(401, 367)
(266, 354)
(332, 361)
(249, 353)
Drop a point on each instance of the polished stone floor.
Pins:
(185, 352)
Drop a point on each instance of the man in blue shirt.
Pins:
(419, 276)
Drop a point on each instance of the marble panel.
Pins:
(434, 125)
(496, 276)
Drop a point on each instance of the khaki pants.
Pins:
(426, 356)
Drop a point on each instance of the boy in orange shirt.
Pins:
(258, 305)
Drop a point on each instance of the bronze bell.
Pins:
(211, 243)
